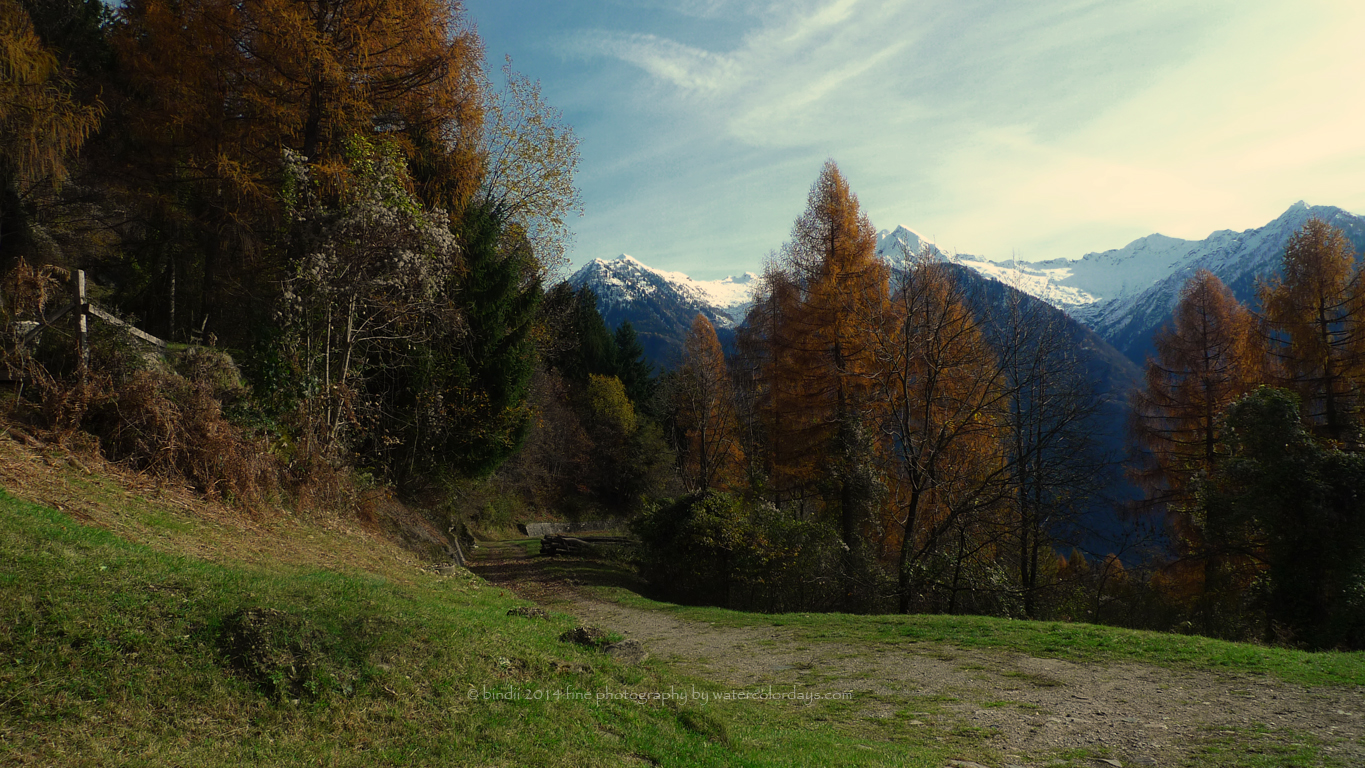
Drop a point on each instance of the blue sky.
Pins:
(1038, 129)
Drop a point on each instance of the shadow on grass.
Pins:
(509, 563)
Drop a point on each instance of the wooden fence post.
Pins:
(82, 319)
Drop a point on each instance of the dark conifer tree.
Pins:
(1296, 504)
(634, 371)
(588, 347)
(499, 293)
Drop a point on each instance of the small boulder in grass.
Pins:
(591, 636)
(529, 612)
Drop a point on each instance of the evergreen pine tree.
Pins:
(635, 372)
(500, 292)
(590, 348)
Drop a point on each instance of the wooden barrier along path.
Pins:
(539, 530)
(581, 545)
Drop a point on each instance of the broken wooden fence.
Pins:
(85, 309)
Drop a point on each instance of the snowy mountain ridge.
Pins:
(1124, 294)
(1138, 286)
(625, 280)
(1042, 280)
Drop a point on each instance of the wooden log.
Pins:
(558, 544)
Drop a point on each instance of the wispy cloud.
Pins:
(701, 9)
(1258, 118)
(1047, 127)
(686, 67)
(783, 81)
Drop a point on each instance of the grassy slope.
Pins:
(113, 651)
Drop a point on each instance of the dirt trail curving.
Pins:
(1031, 710)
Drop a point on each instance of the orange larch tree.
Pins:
(816, 381)
(219, 88)
(943, 406)
(42, 125)
(813, 371)
(1315, 318)
(1207, 357)
(1210, 355)
(705, 404)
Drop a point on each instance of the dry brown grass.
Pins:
(173, 516)
(173, 426)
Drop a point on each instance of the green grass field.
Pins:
(1046, 639)
(115, 653)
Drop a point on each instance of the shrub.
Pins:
(169, 425)
(719, 549)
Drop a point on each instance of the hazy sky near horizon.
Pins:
(1037, 129)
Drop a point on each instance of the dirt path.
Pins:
(1029, 709)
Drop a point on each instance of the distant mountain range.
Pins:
(1123, 295)
(661, 306)
(1127, 295)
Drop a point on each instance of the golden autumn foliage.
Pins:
(231, 83)
(1315, 316)
(881, 407)
(705, 405)
(610, 405)
(809, 314)
(941, 388)
(1209, 355)
(41, 125)
(811, 373)
(218, 89)
(530, 156)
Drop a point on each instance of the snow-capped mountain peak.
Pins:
(1042, 280)
(895, 245)
(1123, 294)
(625, 274)
(624, 283)
(1129, 292)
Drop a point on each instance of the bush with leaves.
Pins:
(720, 549)
(369, 287)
